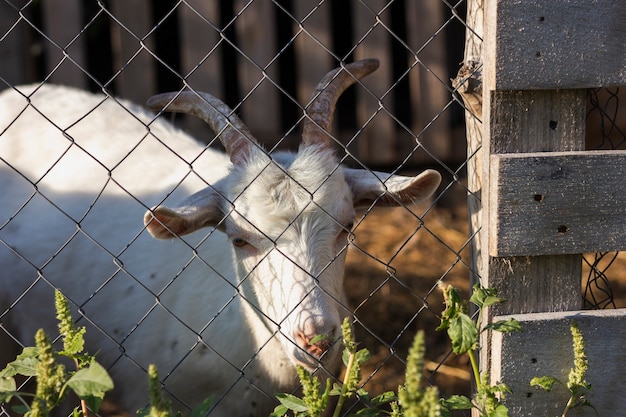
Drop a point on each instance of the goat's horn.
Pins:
(321, 109)
(234, 135)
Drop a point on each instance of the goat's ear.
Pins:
(202, 209)
(381, 189)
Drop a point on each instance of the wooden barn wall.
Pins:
(139, 48)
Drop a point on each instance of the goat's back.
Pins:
(78, 171)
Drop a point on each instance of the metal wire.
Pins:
(390, 300)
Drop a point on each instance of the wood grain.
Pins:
(558, 43)
(544, 348)
(558, 203)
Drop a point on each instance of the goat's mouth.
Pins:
(314, 360)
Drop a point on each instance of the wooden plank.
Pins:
(62, 22)
(519, 122)
(544, 348)
(137, 81)
(201, 60)
(260, 107)
(558, 43)
(429, 77)
(474, 133)
(312, 45)
(557, 203)
(373, 42)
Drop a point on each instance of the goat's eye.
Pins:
(239, 242)
(349, 226)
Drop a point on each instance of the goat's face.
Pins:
(289, 227)
(288, 218)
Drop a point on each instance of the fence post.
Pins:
(535, 73)
(516, 121)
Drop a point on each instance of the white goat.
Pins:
(227, 313)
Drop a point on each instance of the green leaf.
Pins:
(25, 366)
(484, 297)
(7, 384)
(446, 412)
(454, 305)
(505, 326)
(361, 357)
(367, 412)
(74, 343)
(336, 389)
(279, 411)
(20, 409)
(457, 402)
(500, 411)
(292, 402)
(345, 357)
(90, 384)
(29, 352)
(319, 338)
(8, 389)
(545, 382)
(463, 334)
(202, 408)
(362, 393)
(491, 300)
(384, 398)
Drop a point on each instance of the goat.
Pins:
(228, 312)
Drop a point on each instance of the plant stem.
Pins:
(475, 371)
(83, 403)
(342, 396)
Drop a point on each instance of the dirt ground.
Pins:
(391, 281)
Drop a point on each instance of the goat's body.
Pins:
(225, 312)
(112, 269)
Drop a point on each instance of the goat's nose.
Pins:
(315, 344)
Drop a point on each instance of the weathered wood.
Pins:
(311, 45)
(201, 61)
(537, 121)
(520, 121)
(544, 348)
(474, 134)
(429, 76)
(557, 203)
(137, 80)
(65, 55)
(558, 43)
(373, 42)
(260, 105)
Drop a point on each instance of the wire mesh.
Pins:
(263, 58)
(605, 132)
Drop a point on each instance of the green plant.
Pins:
(161, 406)
(314, 400)
(576, 383)
(89, 381)
(464, 333)
(415, 400)
(412, 399)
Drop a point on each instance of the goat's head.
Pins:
(288, 215)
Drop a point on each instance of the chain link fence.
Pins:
(263, 59)
(605, 131)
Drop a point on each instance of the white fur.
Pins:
(216, 319)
